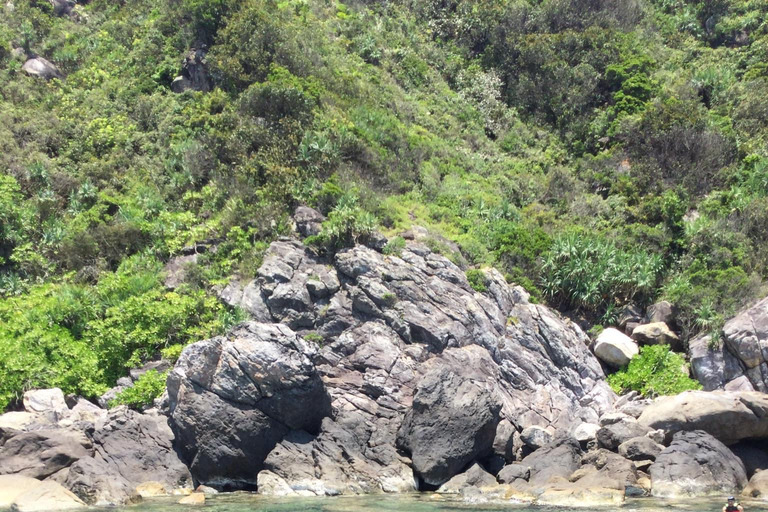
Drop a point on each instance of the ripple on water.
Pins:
(248, 502)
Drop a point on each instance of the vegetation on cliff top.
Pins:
(596, 151)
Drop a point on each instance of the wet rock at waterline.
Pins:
(697, 464)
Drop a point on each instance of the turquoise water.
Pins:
(244, 502)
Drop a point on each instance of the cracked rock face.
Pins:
(233, 398)
(740, 361)
(424, 375)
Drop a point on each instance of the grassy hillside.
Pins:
(599, 152)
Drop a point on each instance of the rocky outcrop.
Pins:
(697, 464)
(308, 221)
(728, 416)
(194, 73)
(615, 348)
(405, 340)
(130, 449)
(613, 433)
(42, 453)
(233, 398)
(41, 68)
(737, 362)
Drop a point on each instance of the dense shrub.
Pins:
(594, 274)
(145, 389)
(655, 372)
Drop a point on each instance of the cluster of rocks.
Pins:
(616, 348)
(361, 372)
(369, 373)
(99, 457)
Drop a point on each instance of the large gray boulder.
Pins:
(41, 68)
(662, 311)
(535, 436)
(640, 448)
(43, 401)
(657, 333)
(550, 464)
(715, 366)
(454, 416)
(728, 416)
(697, 464)
(233, 398)
(42, 453)
(308, 221)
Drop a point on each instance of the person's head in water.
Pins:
(732, 506)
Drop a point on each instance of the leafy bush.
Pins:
(394, 246)
(347, 224)
(654, 372)
(477, 280)
(145, 389)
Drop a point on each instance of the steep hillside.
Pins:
(597, 152)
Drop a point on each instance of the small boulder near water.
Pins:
(47, 496)
(475, 476)
(12, 486)
(757, 486)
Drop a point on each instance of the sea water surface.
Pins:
(247, 502)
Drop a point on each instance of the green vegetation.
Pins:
(655, 372)
(145, 389)
(596, 153)
(477, 280)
